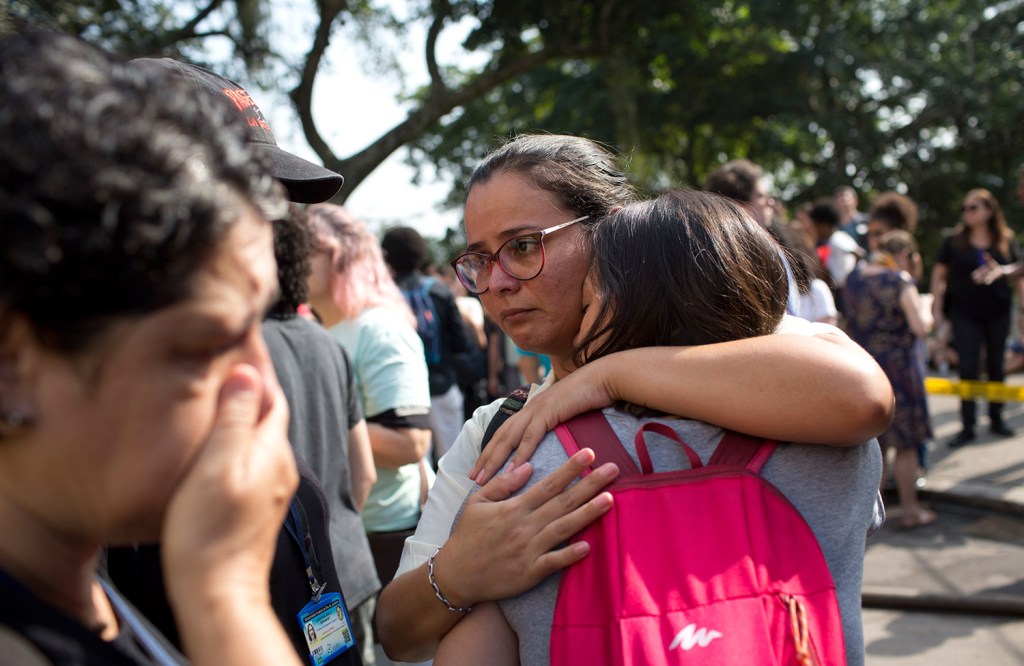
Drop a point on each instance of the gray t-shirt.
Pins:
(318, 381)
(835, 489)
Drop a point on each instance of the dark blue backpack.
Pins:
(428, 323)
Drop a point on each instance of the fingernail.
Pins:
(585, 456)
(608, 470)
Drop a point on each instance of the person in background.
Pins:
(353, 293)
(471, 365)
(891, 211)
(885, 314)
(851, 220)
(979, 312)
(743, 181)
(838, 252)
(445, 337)
(137, 263)
(329, 434)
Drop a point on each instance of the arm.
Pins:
(940, 278)
(918, 318)
(360, 463)
(820, 389)
(394, 447)
(221, 527)
(482, 638)
(992, 270)
(495, 363)
(501, 547)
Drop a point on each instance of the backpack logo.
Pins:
(691, 637)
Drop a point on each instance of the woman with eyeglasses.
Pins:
(528, 205)
(738, 276)
(978, 312)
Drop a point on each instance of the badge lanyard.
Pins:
(298, 528)
(324, 621)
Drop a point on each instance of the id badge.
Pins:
(327, 629)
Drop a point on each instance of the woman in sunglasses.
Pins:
(978, 311)
(527, 204)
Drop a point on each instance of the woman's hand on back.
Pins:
(503, 545)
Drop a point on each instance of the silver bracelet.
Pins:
(437, 591)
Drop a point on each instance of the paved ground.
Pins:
(969, 566)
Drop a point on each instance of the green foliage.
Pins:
(918, 96)
(923, 96)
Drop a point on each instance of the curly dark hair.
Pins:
(687, 268)
(293, 248)
(895, 210)
(584, 176)
(116, 185)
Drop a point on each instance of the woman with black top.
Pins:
(979, 313)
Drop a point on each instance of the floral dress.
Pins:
(875, 320)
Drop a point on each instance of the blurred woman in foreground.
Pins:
(137, 399)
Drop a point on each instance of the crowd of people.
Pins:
(237, 427)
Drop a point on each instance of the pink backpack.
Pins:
(710, 565)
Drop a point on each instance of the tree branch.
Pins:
(437, 104)
(302, 94)
(442, 11)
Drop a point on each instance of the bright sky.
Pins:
(352, 107)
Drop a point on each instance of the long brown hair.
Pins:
(1002, 237)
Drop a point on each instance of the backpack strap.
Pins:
(594, 431)
(664, 431)
(738, 450)
(512, 404)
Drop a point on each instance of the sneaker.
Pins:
(963, 438)
(1001, 429)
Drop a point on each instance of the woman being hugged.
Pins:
(979, 312)
(527, 210)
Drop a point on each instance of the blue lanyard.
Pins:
(297, 525)
(150, 643)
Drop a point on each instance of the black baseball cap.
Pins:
(305, 181)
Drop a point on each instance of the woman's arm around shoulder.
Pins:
(816, 389)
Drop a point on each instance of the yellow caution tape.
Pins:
(991, 391)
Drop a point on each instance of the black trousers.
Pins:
(970, 335)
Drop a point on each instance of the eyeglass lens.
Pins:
(521, 257)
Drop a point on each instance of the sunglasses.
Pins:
(521, 258)
(972, 207)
